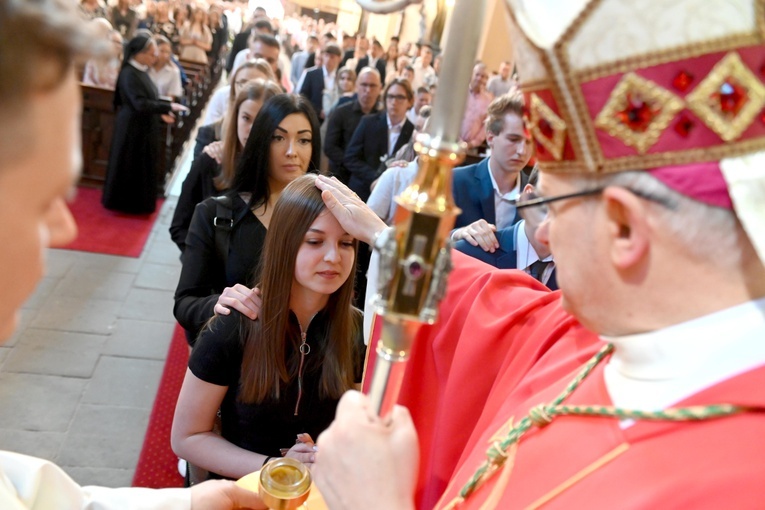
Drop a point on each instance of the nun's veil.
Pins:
(136, 45)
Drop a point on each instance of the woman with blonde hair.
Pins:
(224, 96)
(209, 177)
(278, 377)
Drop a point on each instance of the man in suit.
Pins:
(344, 120)
(319, 78)
(378, 137)
(374, 59)
(360, 50)
(486, 191)
(518, 245)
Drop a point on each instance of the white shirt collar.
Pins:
(391, 125)
(138, 66)
(327, 74)
(513, 194)
(657, 369)
(525, 254)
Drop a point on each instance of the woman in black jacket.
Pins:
(226, 236)
(207, 177)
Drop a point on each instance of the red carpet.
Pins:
(108, 232)
(158, 465)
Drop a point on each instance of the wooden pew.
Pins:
(97, 127)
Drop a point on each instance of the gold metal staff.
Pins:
(415, 255)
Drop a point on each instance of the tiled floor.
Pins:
(78, 379)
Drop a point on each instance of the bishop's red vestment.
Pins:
(503, 344)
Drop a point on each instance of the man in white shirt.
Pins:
(374, 60)
(39, 166)
(164, 73)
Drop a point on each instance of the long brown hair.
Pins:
(264, 366)
(257, 90)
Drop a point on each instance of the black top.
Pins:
(204, 274)
(266, 427)
(341, 124)
(197, 186)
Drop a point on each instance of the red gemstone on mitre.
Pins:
(638, 114)
(762, 117)
(684, 125)
(682, 81)
(546, 129)
(732, 97)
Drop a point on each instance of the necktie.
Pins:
(537, 269)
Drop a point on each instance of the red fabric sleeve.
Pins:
(491, 323)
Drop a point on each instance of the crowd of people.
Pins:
(576, 398)
(306, 56)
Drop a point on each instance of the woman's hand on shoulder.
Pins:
(242, 299)
(215, 151)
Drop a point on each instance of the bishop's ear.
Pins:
(628, 227)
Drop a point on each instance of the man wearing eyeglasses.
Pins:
(344, 120)
(640, 384)
(378, 137)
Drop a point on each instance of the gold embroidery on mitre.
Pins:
(729, 118)
(638, 111)
(540, 112)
